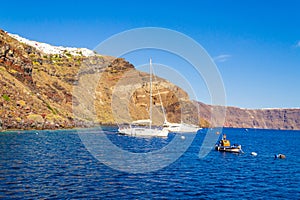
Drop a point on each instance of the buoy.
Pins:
(36, 133)
(253, 153)
(182, 137)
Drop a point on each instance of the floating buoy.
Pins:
(280, 156)
(36, 133)
(182, 137)
(253, 153)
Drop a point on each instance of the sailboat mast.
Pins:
(161, 103)
(150, 92)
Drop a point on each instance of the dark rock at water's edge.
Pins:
(36, 92)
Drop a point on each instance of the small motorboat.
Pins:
(224, 145)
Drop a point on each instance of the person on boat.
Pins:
(224, 141)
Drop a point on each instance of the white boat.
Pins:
(144, 128)
(180, 127)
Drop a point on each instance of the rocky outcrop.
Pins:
(123, 94)
(16, 58)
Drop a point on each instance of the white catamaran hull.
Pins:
(181, 128)
(143, 132)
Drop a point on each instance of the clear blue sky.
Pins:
(255, 44)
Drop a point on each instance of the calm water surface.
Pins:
(56, 165)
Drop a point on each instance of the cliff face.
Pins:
(37, 88)
(288, 119)
(263, 118)
(40, 89)
(122, 95)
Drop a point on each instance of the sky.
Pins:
(254, 44)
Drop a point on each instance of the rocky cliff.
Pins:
(38, 82)
(47, 87)
(286, 119)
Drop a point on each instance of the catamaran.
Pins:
(176, 127)
(144, 127)
(180, 127)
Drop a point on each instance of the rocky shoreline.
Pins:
(55, 127)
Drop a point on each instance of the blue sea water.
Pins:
(57, 165)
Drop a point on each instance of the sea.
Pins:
(61, 164)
